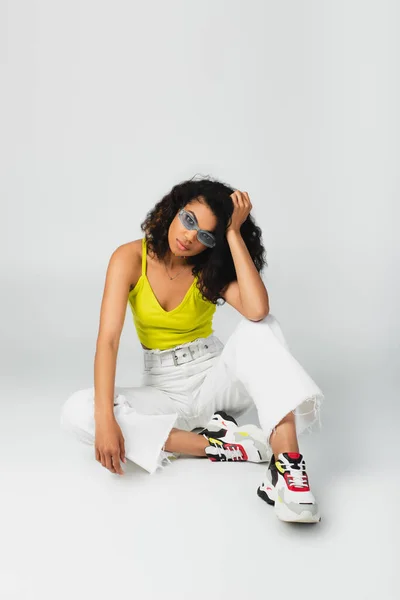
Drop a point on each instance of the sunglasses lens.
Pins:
(187, 220)
(206, 239)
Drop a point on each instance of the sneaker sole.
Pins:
(285, 514)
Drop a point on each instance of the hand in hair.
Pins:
(241, 210)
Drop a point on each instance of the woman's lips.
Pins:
(181, 246)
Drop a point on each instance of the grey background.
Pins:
(105, 106)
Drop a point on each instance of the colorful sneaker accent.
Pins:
(219, 425)
(231, 442)
(287, 488)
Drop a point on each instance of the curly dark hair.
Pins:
(214, 266)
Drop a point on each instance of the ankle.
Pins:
(285, 451)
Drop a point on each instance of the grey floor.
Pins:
(70, 529)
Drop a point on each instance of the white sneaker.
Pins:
(231, 442)
(287, 488)
(219, 425)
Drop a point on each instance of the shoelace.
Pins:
(298, 477)
(230, 452)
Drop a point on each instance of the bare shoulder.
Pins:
(123, 270)
(129, 255)
(133, 249)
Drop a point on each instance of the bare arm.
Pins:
(248, 294)
(122, 271)
(105, 362)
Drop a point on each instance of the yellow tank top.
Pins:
(158, 328)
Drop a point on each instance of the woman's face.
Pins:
(179, 234)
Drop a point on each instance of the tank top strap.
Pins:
(144, 254)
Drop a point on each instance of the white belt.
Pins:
(182, 354)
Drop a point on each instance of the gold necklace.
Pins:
(175, 276)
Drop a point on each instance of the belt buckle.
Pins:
(174, 357)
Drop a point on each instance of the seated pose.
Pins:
(201, 247)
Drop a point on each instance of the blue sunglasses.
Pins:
(188, 221)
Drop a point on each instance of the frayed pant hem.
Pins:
(165, 458)
(301, 426)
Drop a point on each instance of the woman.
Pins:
(201, 248)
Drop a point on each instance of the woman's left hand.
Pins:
(241, 209)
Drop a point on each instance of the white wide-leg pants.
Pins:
(254, 368)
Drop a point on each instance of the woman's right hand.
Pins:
(109, 444)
